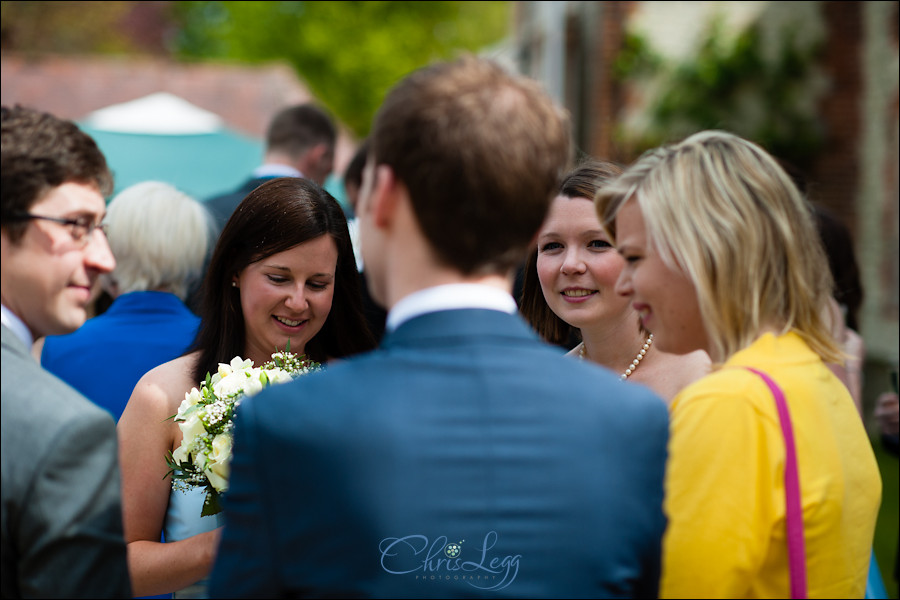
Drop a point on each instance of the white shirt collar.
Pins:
(16, 325)
(449, 297)
(276, 170)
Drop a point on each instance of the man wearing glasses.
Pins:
(61, 505)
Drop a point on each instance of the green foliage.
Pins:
(885, 544)
(348, 53)
(636, 59)
(728, 85)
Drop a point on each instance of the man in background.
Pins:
(375, 314)
(300, 142)
(61, 499)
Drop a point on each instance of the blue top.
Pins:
(105, 358)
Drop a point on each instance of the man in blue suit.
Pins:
(464, 457)
(300, 142)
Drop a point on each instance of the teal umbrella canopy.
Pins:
(164, 138)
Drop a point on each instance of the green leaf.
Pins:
(212, 504)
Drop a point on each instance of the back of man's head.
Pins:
(481, 152)
(296, 129)
(40, 152)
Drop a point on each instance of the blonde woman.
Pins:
(722, 255)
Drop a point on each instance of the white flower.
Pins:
(182, 453)
(192, 398)
(278, 376)
(192, 427)
(219, 465)
(201, 459)
(217, 475)
(254, 383)
(206, 415)
(232, 384)
(220, 451)
(235, 364)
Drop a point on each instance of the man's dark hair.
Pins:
(296, 129)
(354, 171)
(41, 152)
(481, 151)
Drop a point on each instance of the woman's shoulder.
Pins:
(169, 380)
(177, 367)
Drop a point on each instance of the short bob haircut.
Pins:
(160, 237)
(581, 182)
(723, 211)
(275, 217)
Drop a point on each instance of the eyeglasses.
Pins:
(80, 228)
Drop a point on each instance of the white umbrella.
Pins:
(158, 114)
(165, 138)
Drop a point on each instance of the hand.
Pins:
(887, 410)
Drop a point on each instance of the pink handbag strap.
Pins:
(793, 509)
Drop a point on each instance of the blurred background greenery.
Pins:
(348, 53)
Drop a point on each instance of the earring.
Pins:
(234, 284)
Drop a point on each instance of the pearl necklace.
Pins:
(634, 364)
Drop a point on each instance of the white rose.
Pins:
(219, 482)
(219, 466)
(254, 385)
(240, 364)
(221, 448)
(181, 455)
(192, 427)
(191, 398)
(231, 384)
(278, 376)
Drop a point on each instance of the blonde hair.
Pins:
(722, 210)
(159, 236)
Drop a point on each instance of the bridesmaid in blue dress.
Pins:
(282, 271)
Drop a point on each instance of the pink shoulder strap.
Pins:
(793, 509)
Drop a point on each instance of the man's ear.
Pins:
(310, 159)
(317, 152)
(385, 190)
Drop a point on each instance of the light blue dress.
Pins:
(183, 520)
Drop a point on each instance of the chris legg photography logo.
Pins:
(446, 560)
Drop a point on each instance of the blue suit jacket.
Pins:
(463, 458)
(221, 206)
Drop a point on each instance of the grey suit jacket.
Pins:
(62, 533)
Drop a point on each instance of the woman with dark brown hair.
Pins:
(282, 273)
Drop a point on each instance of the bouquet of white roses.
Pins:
(206, 416)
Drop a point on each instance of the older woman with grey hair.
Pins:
(160, 237)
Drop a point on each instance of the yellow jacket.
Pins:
(725, 480)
